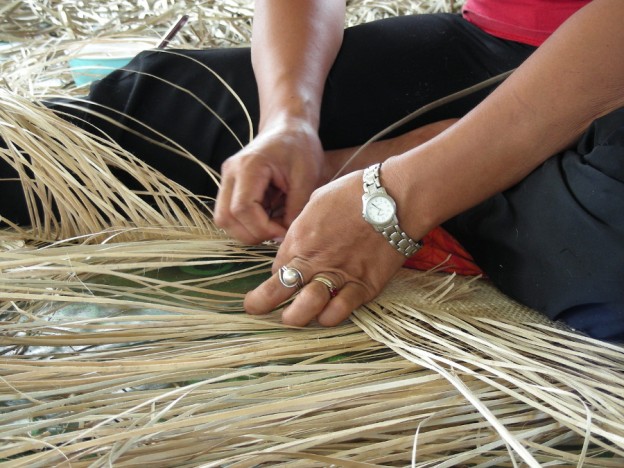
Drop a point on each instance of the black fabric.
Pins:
(384, 71)
(553, 242)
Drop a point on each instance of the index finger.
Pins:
(247, 205)
(222, 215)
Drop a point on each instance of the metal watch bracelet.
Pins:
(392, 232)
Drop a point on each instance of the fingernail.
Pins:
(278, 240)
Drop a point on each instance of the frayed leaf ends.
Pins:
(124, 340)
(70, 182)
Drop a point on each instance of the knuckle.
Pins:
(246, 237)
(240, 209)
(221, 219)
(226, 166)
(341, 304)
(294, 320)
(252, 307)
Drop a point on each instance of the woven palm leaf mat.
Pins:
(124, 342)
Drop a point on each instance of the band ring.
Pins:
(331, 288)
(290, 277)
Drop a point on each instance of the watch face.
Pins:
(380, 210)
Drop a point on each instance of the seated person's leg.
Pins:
(174, 94)
(555, 241)
(384, 71)
(387, 69)
(163, 97)
(13, 205)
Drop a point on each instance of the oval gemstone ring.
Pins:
(290, 277)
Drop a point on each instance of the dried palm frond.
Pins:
(145, 367)
(128, 344)
(67, 176)
(226, 22)
(42, 32)
(124, 341)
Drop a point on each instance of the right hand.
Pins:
(266, 184)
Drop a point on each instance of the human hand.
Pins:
(266, 184)
(330, 239)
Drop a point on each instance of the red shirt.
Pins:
(527, 21)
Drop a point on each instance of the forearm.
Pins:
(574, 78)
(342, 161)
(295, 43)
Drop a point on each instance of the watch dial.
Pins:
(380, 210)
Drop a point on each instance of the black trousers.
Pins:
(554, 242)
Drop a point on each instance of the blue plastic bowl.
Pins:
(93, 60)
(87, 70)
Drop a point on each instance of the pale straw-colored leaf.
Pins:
(124, 341)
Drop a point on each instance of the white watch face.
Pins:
(380, 210)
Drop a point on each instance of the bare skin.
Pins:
(542, 108)
(379, 151)
(294, 46)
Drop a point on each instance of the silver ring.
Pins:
(331, 288)
(290, 277)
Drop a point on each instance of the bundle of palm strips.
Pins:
(124, 341)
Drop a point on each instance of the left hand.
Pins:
(330, 238)
(266, 184)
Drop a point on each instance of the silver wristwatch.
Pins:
(379, 210)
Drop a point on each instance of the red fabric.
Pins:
(526, 21)
(440, 249)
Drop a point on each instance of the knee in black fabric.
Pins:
(13, 205)
(555, 241)
(601, 321)
(165, 103)
(389, 68)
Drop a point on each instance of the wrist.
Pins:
(416, 217)
(380, 211)
(290, 109)
(287, 123)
